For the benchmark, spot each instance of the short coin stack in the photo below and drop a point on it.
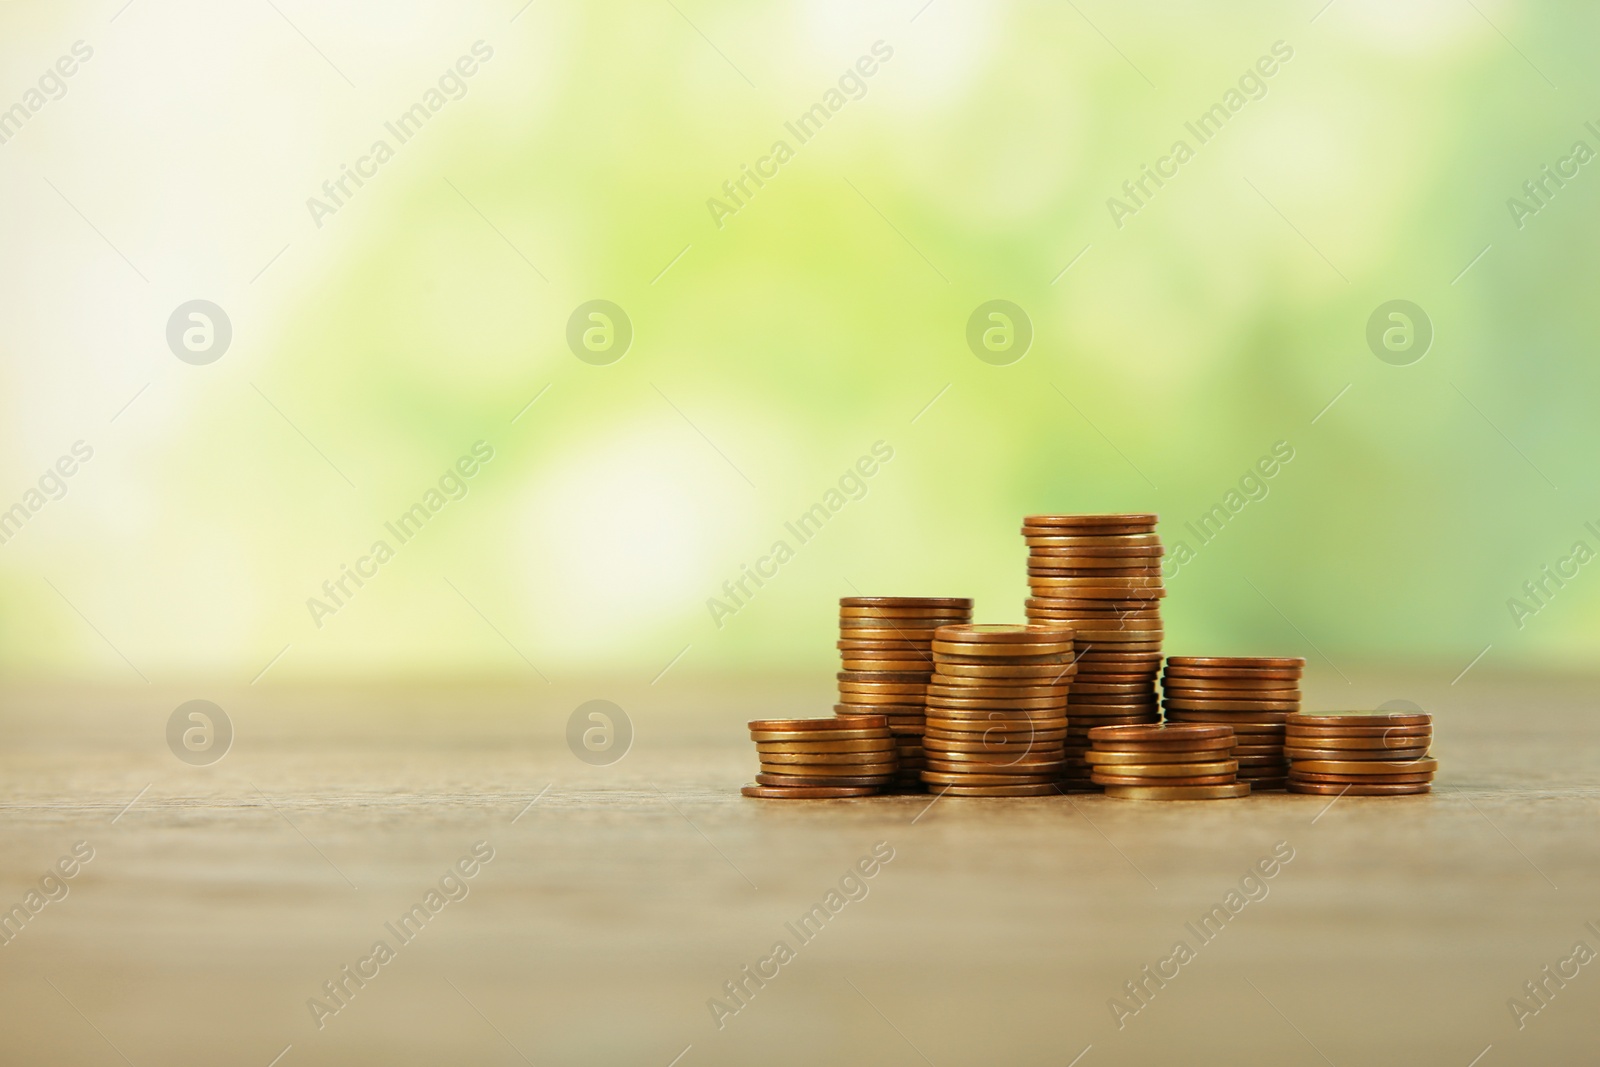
(1252, 694)
(1100, 575)
(997, 710)
(1189, 761)
(885, 642)
(812, 759)
(1370, 754)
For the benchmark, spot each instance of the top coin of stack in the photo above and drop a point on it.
(814, 759)
(1100, 575)
(1253, 694)
(1360, 753)
(997, 710)
(1189, 761)
(886, 645)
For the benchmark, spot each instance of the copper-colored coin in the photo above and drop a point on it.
(908, 637)
(989, 692)
(1081, 688)
(1361, 779)
(1108, 659)
(1209, 682)
(1028, 772)
(916, 689)
(874, 745)
(1367, 767)
(1361, 718)
(1300, 753)
(982, 633)
(791, 725)
(1051, 659)
(1118, 548)
(892, 713)
(1178, 792)
(1186, 704)
(831, 770)
(843, 733)
(772, 792)
(1310, 732)
(1376, 790)
(1193, 769)
(1097, 581)
(1099, 757)
(1086, 677)
(1160, 734)
(1197, 780)
(1024, 745)
(835, 782)
(829, 759)
(897, 646)
(1269, 662)
(1191, 675)
(1022, 727)
(1000, 704)
(1171, 688)
(1055, 520)
(995, 735)
(1052, 674)
(857, 667)
(960, 603)
(1248, 733)
(900, 616)
(1099, 592)
(1377, 744)
(893, 677)
(1218, 717)
(1043, 790)
(1093, 572)
(1144, 747)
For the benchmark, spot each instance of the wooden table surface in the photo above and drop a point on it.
(616, 905)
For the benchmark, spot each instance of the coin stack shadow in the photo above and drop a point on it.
(997, 710)
(1369, 754)
(1188, 761)
(1100, 575)
(885, 643)
(818, 759)
(1253, 694)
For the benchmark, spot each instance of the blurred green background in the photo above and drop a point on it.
(1169, 353)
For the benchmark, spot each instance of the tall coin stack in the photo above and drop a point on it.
(1252, 694)
(818, 759)
(1188, 761)
(997, 710)
(885, 643)
(1362, 754)
(1100, 575)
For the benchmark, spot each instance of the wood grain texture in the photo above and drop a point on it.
(620, 901)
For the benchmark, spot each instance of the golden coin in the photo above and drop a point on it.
(1366, 767)
(918, 677)
(910, 689)
(872, 666)
(884, 744)
(959, 603)
(772, 792)
(1002, 634)
(791, 725)
(1178, 792)
(1375, 790)
(1090, 520)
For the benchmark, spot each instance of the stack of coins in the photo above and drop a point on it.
(885, 642)
(1100, 575)
(1189, 761)
(1371, 754)
(811, 759)
(997, 710)
(1252, 694)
